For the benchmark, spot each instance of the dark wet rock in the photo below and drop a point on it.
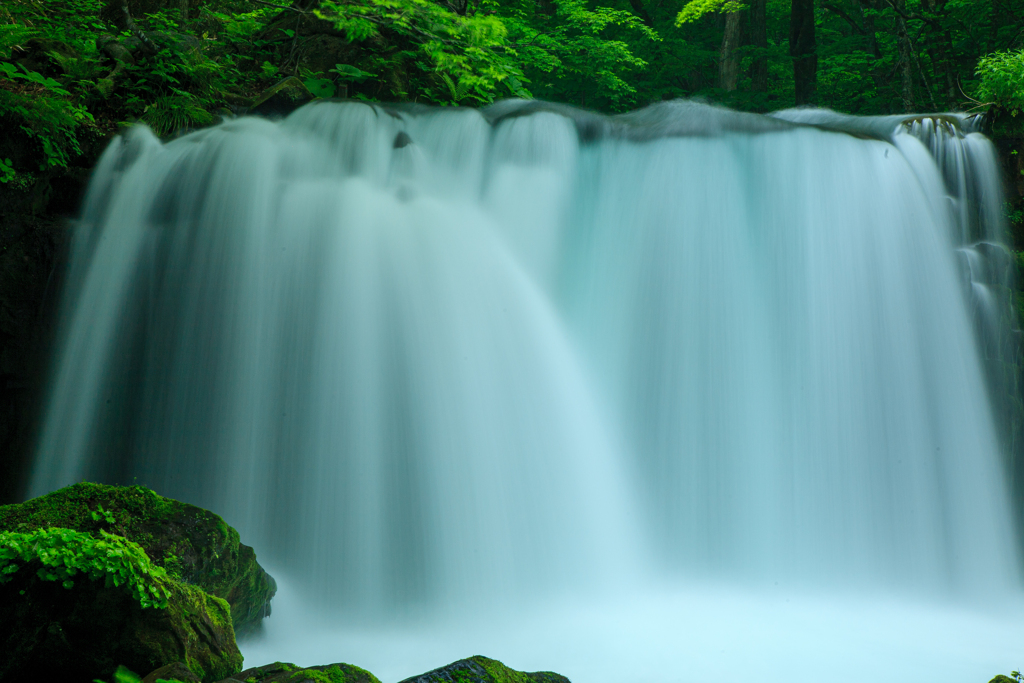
(194, 545)
(282, 99)
(32, 256)
(280, 672)
(175, 671)
(85, 628)
(483, 670)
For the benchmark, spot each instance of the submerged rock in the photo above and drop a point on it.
(483, 670)
(194, 545)
(77, 605)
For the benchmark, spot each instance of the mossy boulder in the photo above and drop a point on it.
(280, 672)
(193, 545)
(78, 605)
(483, 670)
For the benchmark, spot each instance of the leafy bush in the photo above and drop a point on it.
(64, 554)
(1001, 80)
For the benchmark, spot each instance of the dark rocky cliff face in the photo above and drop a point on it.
(34, 229)
(32, 255)
(1007, 132)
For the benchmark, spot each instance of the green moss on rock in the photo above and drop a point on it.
(484, 670)
(281, 672)
(194, 545)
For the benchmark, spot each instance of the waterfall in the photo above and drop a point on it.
(427, 357)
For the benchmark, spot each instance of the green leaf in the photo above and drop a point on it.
(352, 73)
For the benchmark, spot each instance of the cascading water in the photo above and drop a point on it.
(555, 364)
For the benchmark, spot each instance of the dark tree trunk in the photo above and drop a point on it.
(641, 11)
(729, 54)
(802, 48)
(759, 39)
(906, 58)
(868, 22)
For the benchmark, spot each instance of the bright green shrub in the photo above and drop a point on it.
(1001, 80)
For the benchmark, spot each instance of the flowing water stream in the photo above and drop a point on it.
(679, 395)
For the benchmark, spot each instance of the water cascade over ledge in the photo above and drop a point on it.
(427, 360)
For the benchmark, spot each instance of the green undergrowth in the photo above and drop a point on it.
(64, 554)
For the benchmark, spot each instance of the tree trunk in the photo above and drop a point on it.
(868, 22)
(641, 11)
(759, 39)
(906, 58)
(729, 55)
(802, 48)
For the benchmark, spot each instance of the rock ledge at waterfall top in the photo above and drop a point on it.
(193, 545)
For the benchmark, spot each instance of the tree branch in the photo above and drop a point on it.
(849, 20)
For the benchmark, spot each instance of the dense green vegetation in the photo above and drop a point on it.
(72, 72)
(72, 68)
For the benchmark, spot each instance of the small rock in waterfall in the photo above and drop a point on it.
(483, 670)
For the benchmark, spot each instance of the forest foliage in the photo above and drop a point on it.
(74, 68)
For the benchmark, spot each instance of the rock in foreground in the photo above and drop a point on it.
(194, 545)
(76, 606)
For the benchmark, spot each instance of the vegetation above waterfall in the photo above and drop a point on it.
(72, 72)
(71, 69)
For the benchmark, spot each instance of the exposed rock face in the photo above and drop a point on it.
(31, 268)
(50, 631)
(1007, 133)
(483, 670)
(194, 545)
